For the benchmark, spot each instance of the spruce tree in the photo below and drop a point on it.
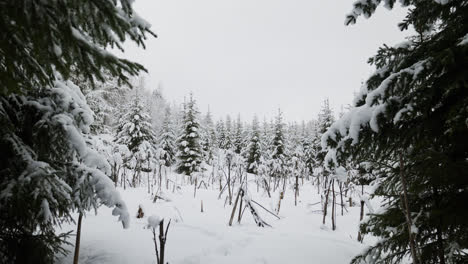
(167, 140)
(208, 138)
(189, 153)
(238, 139)
(253, 150)
(221, 134)
(134, 128)
(324, 121)
(409, 123)
(135, 132)
(228, 143)
(308, 148)
(278, 155)
(265, 137)
(278, 142)
(43, 38)
(48, 165)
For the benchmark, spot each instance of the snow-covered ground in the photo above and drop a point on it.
(205, 237)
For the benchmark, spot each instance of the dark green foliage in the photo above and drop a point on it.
(418, 103)
(278, 142)
(228, 142)
(220, 134)
(189, 155)
(325, 120)
(167, 141)
(40, 38)
(208, 138)
(238, 139)
(48, 170)
(48, 166)
(253, 151)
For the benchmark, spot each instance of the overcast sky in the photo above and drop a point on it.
(253, 56)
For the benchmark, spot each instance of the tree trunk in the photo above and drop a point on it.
(279, 201)
(234, 209)
(160, 177)
(341, 197)
(267, 188)
(333, 206)
(229, 184)
(162, 241)
(407, 213)
(296, 193)
(359, 237)
(123, 179)
(195, 188)
(77, 241)
(240, 210)
(325, 205)
(220, 183)
(114, 173)
(318, 184)
(148, 180)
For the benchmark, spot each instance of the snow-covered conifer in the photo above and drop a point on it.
(136, 132)
(253, 150)
(189, 153)
(409, 123)
(237, 136)
(221, 134)
(208, 138)
(167, 141)
(49, 167)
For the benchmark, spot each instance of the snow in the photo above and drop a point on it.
(442, 2)
(464, 40)
(45, 211)
(350, 124)
(153, 221)
(400, 113)
(57, 50)
(340, 174)
(196, 237)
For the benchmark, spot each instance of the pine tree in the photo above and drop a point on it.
(208, 138)
(134, 127)
(48, 166)
(65, 38)
(135, 131)
(253, 151)
(49, 170)
(265, 137)
(278, 156)
(409, 123)
(167, 140)
(278, 142)
(238, 139)
(228, 144)
(189, 155)
(308, 148)
(221, 134)
(325, 120)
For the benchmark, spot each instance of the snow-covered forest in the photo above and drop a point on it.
(99, 166)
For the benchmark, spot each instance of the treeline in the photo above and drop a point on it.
(142, 132)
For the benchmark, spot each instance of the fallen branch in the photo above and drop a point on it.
(266, 209)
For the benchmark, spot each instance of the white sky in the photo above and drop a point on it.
(253, 56)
